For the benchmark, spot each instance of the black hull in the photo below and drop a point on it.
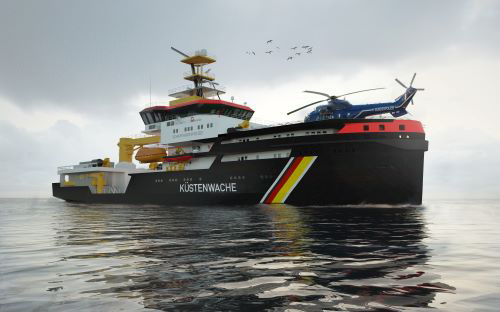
(349, 169)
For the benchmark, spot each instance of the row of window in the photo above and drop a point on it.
(154, 116)
(190, 128)
(237, 178)
(288, 135)
(382, 127)
(278, 155)
(316, 132)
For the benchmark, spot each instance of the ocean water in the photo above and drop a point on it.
(57, 256)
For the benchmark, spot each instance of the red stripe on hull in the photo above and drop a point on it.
(394, 126)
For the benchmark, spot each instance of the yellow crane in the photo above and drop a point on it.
(129, 145)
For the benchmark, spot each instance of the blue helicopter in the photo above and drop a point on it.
(342, 109)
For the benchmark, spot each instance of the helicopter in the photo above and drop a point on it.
(342, 109)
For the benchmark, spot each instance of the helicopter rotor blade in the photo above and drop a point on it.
(419, 89)
(402, 84)
(412, 79)
(296, 110)
(316, 92)
(337, 96)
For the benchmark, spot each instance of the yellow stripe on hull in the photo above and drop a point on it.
(293, 179)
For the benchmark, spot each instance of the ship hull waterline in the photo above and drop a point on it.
(369, 172)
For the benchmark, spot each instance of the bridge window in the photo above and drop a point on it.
(157, 117)
(149, 118)
(366, 127)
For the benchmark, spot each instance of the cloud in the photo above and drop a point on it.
(30, 157)
(92, 56)
(73, 75)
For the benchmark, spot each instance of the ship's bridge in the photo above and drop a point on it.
(157, 114)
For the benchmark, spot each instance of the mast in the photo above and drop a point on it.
(198, 76)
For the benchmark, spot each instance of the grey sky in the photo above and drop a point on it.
(73, 75)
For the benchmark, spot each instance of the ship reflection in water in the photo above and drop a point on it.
(247, 258)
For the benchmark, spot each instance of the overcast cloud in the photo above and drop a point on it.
(73, 75)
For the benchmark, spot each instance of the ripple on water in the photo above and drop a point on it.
(97, 257)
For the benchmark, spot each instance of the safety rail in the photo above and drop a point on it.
(64, 168)
(218, 87)
(204, 74)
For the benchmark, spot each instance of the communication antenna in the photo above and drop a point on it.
(149, 90)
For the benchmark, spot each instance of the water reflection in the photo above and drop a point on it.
(248, 258)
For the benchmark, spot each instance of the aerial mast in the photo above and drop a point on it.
(198, 76)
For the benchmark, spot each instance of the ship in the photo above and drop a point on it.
(203, 150)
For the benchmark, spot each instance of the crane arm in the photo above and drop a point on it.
(127, 146)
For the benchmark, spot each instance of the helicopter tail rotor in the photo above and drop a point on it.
(411, 83)
(410, 91)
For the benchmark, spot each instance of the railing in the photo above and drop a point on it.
(218, 87)
(158, 103)
(106, 190)
(62, 168)
(205, 74)
(181, 88)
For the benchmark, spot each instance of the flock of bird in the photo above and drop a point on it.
(306, 49)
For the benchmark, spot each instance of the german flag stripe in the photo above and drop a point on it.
(277, 179)
(287, 181)
(283, 180)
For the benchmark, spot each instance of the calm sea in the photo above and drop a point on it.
(57, 256)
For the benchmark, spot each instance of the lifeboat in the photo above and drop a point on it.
(150, 154)
(178, 158)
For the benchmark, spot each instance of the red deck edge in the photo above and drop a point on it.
(201, 101)
(177, 158)
(392, 126)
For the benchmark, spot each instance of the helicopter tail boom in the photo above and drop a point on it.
(399, 112)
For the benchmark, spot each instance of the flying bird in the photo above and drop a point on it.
(297, 53)
(269, 52)
(278, 48)
(253, 52)
(269, 41)
(305, 47)
(309, 51)
(294, 48)
(289, 58)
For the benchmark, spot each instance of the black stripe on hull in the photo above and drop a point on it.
(346, 172)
